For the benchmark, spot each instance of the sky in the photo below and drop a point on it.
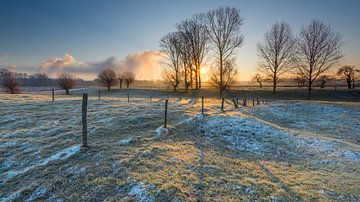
(83, 36)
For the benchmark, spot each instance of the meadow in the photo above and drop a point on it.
(284, 149)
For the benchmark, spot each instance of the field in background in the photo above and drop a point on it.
(284, 150)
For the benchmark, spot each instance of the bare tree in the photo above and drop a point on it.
(301, 80)
(323, 79)
(9, 82)
(195, 36)
(258, 78)
(224, 30)
(228, 74)
(318, 50)
(276, 52)
(170, 45)
(129, 78)
(186, 62)
(107, 77)
(66, 81)
(121, 79)
(349, 73)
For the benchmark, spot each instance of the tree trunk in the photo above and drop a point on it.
(121, 83)
(108, 87)
(199, 77)
(309, 89)
(274, 84)
(221, 73)
(349, 83)
(67, 91)
(260, 85)
(196, 79)
(191, 78)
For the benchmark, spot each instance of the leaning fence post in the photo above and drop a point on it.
(99, 94)
(53, 95)
(222, 104)
(202, 105)
(166, 106)
(84, 121)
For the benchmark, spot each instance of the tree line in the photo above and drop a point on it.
(11, 81)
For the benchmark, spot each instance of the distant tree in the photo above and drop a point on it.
(107, 78)
(170, 46)
(9, 82)
(121, 79)
(228, 75)
(66, 81)
(349, 73)
(129, 78)
(276, 52)
(323, 79)
(225, 35)
(318, 50)
(258, 79)
(301, 80)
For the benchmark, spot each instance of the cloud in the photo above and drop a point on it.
(3, 56)
(144, 64)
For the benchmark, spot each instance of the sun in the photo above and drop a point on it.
(204, 72)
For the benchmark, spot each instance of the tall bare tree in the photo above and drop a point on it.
(195, 36)
(66, 81)
(224, 30)
(170, 45)
(318, 50)
(349, 73)
(186, 62)
(276, 52)
(107, 77)
(129, 78)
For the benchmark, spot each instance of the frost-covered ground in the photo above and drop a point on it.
(294, 150)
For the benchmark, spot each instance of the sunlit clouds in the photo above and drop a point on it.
(144, 64)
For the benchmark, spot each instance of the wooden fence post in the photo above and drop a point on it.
(202, 105)
(222, 104)
(257, 101)
(99, 95)
(237, 101)
(128, 97)
(166, 106)
(84, 116)
(253, 102)
(244, 102)
(53, 95)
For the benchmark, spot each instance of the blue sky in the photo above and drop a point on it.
(93, 30)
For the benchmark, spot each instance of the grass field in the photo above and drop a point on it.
(289, 149)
